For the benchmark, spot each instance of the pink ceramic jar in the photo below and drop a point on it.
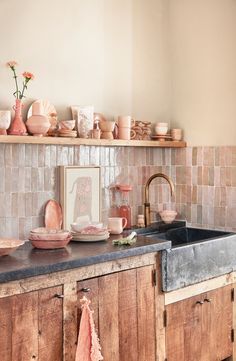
(38, 124)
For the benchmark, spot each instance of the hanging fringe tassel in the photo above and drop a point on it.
(88, 347)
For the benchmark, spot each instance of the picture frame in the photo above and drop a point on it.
(80, 193)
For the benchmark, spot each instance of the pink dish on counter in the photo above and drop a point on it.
(50, 244)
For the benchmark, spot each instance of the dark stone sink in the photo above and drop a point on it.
(185, 235)
(196, 255)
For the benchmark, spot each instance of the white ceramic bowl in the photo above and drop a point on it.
(168, 216)
(161, 128)
(78, 227)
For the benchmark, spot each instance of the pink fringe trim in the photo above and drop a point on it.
(87, 326)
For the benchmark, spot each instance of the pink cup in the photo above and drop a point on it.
(116, 224)
(125, 121)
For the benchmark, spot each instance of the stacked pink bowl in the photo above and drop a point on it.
(49, 238)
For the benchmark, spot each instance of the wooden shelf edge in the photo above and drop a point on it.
(15, 139)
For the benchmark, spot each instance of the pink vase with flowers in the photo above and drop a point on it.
(18, 126)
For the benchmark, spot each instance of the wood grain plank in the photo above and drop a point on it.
(109, 317)
(50, 325)
(5, 329)
(70, 321)
(128, 318)
(160, 307)
(82, 141)
(146, 314)
(25, 327)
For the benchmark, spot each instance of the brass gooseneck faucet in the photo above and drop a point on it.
(146, 202)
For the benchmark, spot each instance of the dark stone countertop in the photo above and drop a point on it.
(27, 261)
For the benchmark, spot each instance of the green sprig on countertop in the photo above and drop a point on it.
(126, 241)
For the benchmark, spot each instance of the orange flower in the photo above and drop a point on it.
(19, 94)
(11, 63)
(28, 75)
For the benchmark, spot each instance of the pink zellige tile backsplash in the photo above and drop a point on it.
(204, 178)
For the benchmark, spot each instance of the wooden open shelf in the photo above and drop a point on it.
(95, 142)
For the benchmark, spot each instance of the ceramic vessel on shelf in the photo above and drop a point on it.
(38, 124)
(67, 124)
(49, 111)
(53, 215)
(161, 128)
(107, 127)
(176, 134)
(5, 121)
(17, 126)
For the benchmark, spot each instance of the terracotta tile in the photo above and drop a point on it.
(47, 156)
(15, 179)
(189, 156)
(8, 155)
(28, 204)
(2, 155)
(27, 179)
(200, 156)
(21, 205)
(194, 156)
(233, 176)
(181, 175)
(199, 214)
(180, 156)
(2, 179)
(208, 156)
(194, 195)
(231, 197)
(194, 175)
(217, 176)
(11, 227)
(233, 156)
(34, 156)
(41, 155)
(25, 226)
(194, 213)
(157, 156)
(14, 205)
(62, 155)
(219, 216)
(199, 194)
(230, 217)
(76, 155)
(200, 175)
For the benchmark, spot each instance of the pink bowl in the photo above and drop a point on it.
(46, 244)
(9, 245)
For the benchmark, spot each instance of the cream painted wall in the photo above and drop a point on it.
(151, 78)
(202, 45)
(86, 52)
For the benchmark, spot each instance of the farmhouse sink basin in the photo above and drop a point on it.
(196, 255)
(182, 236)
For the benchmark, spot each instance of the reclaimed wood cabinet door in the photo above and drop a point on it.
(124, 313)
(31, 326)
(200, 328)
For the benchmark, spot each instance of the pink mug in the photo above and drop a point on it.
(125, 121)
(116, 224)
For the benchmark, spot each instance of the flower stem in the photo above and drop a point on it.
(15, 77)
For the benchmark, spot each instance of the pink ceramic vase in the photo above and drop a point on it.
(17, 126)
(38, 124)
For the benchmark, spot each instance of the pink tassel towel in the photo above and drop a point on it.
(88, 347)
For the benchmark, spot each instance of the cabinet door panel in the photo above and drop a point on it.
(50, 324)
(221, 322)
(124, 305)
(25, 326)
(200, 332)
(184, 330)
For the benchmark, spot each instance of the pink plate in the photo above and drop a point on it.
(53, 215)
(9, 245)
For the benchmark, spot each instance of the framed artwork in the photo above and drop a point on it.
(80, 193)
